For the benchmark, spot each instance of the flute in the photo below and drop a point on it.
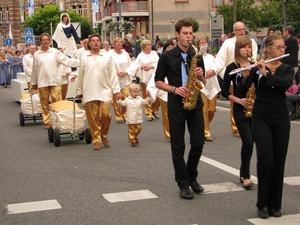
(255, 65)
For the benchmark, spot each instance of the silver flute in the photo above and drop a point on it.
(255, 65)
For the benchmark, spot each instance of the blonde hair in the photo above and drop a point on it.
(117, 39)
(144, 43)
(133, 86)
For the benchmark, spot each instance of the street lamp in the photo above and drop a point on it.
(152, 20)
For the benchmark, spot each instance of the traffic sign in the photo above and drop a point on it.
(28, 31)
(29, 39)
(8, 42)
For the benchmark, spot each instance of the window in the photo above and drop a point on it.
(7, 15)
(77, 8)
(1, 15)
(217, 2)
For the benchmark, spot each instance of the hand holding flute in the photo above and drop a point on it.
(256, 64)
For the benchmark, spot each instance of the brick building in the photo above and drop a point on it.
(147, 15)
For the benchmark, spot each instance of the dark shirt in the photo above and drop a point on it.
(70, 31)
(270, 90)
(292, 47)
(169, 65)
(235, 80)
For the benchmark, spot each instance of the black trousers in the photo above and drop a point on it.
(271, 133)
(244, 127)
(178, 119)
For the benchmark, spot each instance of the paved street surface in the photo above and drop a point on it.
(73, 184)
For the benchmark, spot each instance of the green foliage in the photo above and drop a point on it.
(266, 14)
(195, 24)
(293, 15)
(42, 18)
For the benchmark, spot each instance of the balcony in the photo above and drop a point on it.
(127, 8)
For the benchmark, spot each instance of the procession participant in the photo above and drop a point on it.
(161, 95)
(17, 62)
(65, 36)
(4, 68)
(122, 62)
(134, 118)
(27, 64)
(209, 93)
(271, 125)
(96, 84)
(226, 56)
(45, 75)
(172, 65)
(243, 49)
(143, 67)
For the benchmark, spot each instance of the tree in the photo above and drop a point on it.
(40, 21)
(195, 24)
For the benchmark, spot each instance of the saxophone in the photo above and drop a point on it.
(193, 84)
(250, 95)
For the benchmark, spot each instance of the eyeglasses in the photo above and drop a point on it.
(278, 47)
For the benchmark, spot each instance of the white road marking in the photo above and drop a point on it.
(221, 187)
(32, 206)
(293, 181)
(226, 168)
(288, 219)
(129, 196)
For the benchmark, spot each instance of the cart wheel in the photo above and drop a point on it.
(88, 136)
(22, 119)
(81, 135)
(50, 134)
(56, 138)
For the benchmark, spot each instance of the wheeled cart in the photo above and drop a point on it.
(67, 122)
(30, 107)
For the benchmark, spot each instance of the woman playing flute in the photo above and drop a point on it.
(270, 125)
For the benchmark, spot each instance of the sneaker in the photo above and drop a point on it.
(294, 116)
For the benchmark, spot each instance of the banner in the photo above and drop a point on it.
(61, 5)
(95, 9)
(22, 10)
(30, 7)
(9, 32)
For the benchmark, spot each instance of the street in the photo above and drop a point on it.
(74, 184)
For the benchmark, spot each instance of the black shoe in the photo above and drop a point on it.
(196, 187)
(263, 213)
(185, 193)
(275, 213)
(155, 115)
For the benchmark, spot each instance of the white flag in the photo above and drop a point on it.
(30, 7)
(9, 32)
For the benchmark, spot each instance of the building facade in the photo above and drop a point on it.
(155, 17)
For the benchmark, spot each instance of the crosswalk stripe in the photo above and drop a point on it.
(32, 206)
(129, 196)
(293, 181)
(287, 219)
(221, 187)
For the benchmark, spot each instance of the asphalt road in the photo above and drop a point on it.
(77, 177)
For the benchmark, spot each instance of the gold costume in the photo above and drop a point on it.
(148, 107)
(209, 109)
(133, 132)
(165, 118)
(45, 92)
(120, 111)
(99, 118)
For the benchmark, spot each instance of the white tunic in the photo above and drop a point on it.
(143, 59)
(97, 79)
(45, 69)
(134, 112)
(154, 91)
(27, 65)
(122, 62)
(212, 86)
(225, 55)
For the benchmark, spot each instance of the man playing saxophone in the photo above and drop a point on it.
(243, 49)
(174, 64)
